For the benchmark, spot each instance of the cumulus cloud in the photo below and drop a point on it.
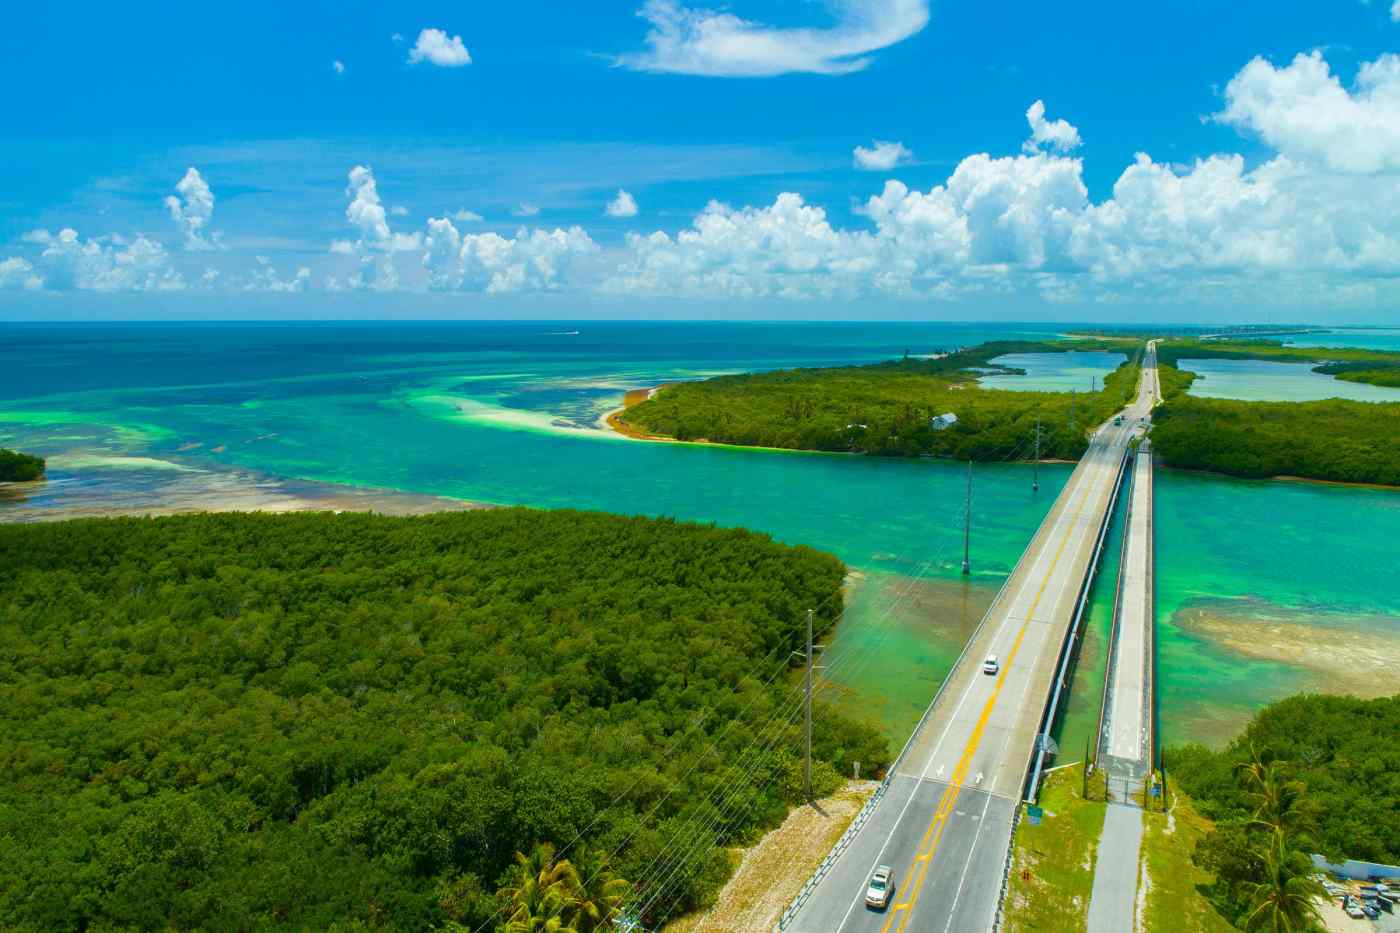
(881, 157)
(436, 47)
(338, 67)
(17, 272)
(265, 278)
(1300, 221)
(532, 260)
(1395, 12)
(525, 209)
(1058, 135)
(192, 207)
(108, 264)
(463, 215)
(624, 205)
(1304, 112)
(696, 41)
(366, 214)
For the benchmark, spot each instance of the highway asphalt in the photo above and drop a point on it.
(944, 825)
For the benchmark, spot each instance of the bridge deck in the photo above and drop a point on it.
(1125, 741)
(945, 823)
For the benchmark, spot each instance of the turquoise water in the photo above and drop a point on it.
(1081, 370)
(1267, 381)
(509, 413)
(1365, 338)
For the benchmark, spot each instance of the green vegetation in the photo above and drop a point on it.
(1354, 442)
(1309, 773)
(16, 467)
(1052, 865)
(1173, 899)
(887, 408)
(356, 722)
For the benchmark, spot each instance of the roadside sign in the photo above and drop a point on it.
(1034, 813)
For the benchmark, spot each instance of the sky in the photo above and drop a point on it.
(909, 159)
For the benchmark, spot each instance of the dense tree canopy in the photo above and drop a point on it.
(356, 722)
(1340, 748)
(16, 467)
(1310, 773)
(1356, 442)
(887, 408)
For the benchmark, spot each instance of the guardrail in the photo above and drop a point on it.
(863, 817)
(1067, 651)
(1109, 663)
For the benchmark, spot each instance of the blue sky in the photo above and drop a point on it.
(493, 143)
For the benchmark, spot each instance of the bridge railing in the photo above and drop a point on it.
(1067, 649)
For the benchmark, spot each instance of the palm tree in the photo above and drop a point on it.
(1280, 805)
(1285, 901)
(540, 892)
(597, 893)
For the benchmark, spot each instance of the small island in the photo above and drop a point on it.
(16, 467)
(933, 406)
(897, 408)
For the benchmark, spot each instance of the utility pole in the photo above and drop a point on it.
(1035, 482)
(967, 524)
(1071, 412)
(1093, 384)
(807, 762)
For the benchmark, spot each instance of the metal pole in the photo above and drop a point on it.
(807, 762)
(1035, 482)
(967, 524)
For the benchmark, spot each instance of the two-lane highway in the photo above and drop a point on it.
(945, 822)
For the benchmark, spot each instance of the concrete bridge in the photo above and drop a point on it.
(945, 818)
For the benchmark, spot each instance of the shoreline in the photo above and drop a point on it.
(88, 493)
(633, 397)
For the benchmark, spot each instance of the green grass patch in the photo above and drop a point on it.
(1174, 899)
(1052, 865)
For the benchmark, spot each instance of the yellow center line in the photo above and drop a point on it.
(954, 789)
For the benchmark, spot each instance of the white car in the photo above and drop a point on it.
(877, 892)
(991, 665)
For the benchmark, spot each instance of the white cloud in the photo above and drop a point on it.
(1395, 12)
(106, 264)
(1059, 135)
(338, 67)
(17, 272)
(1290, 227)
(691, 40)
(526, 210)
(436, 47)
(265, 279)
(533, 260)
(1303, 111)
(881, 157)
(396, 37)
(192, 207)
(366, 211)
(624, 205)
(398, 211)
(367, 214)
(465, 216)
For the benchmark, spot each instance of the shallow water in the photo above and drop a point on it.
(1079, 370)
(1267, 381)
(1366, 338)
(508, 413)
